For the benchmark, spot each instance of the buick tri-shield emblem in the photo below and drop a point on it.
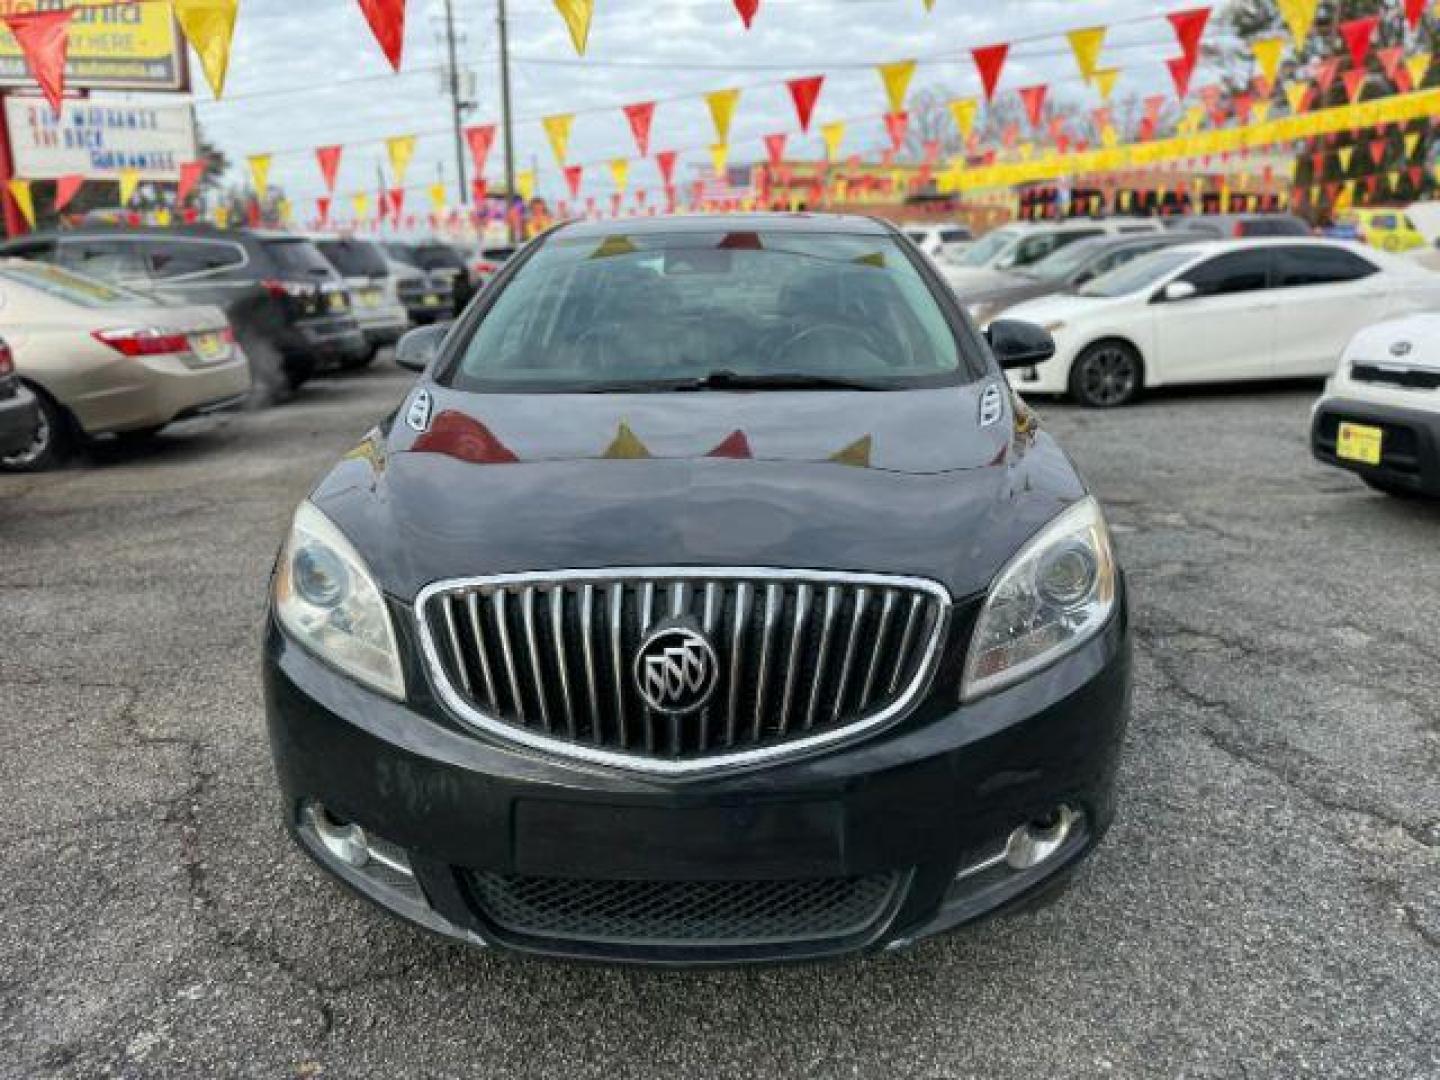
(676, 670)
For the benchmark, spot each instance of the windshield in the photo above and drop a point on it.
(1137, 274)
(75, 288)
(354, 258)
(987, 248)
(1059, 265)
(654, 311)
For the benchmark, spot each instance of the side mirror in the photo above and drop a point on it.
(1019, 344)
(420, 346)
(1178, 290)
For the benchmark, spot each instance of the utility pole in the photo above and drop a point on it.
(510, 219)
(455, 103)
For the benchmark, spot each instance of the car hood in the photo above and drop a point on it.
(1011, 289)
(904, 482)
(1416, 336)
(975, 285)
(1063, 307)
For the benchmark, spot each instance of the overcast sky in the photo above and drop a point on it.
(337, 87)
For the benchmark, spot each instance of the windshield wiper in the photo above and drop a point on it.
(734, 380)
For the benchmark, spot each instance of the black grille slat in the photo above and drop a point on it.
(684, 913)
(798, 656)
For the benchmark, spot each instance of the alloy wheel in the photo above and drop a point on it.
(1109, 376)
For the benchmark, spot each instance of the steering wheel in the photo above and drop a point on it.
(846, 337)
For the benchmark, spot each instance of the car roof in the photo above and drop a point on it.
(709, 223)
(1221, 247)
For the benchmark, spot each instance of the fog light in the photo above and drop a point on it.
(341, 839)
(1035, 841)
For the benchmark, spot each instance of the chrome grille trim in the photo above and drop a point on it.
(795, 631)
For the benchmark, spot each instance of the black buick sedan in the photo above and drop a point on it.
(709, 599)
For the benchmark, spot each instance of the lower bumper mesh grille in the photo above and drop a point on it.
(684, 913)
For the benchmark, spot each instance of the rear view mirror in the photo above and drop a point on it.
(421, 345)
(1019, 344)
(1179, 290)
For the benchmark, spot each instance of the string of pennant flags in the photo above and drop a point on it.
(209, 25)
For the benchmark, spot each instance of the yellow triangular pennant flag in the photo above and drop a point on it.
(1267, 56)
(1412, 142)
(626, 445)
(360, 203)
(401, 149)
(1344, 154)
(856, 454)
(719, 155)
(437, 197)
(1104, 81)
(525, 184)
(24, 199)
(1260, 111)
(1086, 45)
(896, 78)
(1295, 95)
(209, 26)
(1109, 136)
(1418, 66)
(963, 111)
(283, 209)
(576, 14)
(260, 173)
(620, 173)
(722, 110)
(834, 135)
(221, 216)
(129, 181)
(163, 216)
(1299, 16)
(557, 130)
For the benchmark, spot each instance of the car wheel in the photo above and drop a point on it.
(360, 360)
(1389, 487)
(51, 443)
(1106, 375)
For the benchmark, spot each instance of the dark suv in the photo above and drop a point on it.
(287, 304)
(440, 262)
(708, 599)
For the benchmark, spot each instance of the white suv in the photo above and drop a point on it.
(1380, 415)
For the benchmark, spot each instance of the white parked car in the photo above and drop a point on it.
(1009, 248)
(1218, 311)
(1380, 414)
(941, 242)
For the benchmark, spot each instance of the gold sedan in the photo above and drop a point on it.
(105, 360)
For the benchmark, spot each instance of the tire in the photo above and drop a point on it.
(298, 372)
(54, 439)
(139, 436)
(361, 360)
(1107, 375)
(1390, 488)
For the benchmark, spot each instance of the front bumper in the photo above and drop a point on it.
(1410, 449)
(931, 798)
(18, 416)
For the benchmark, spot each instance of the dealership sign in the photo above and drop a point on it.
(117, 46)
(99, 139)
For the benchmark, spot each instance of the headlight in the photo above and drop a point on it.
(327, 600)
(1053, 596)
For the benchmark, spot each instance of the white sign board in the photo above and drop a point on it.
(98, 139)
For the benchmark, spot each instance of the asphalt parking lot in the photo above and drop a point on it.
(1267, 905)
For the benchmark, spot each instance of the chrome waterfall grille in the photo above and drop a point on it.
(799, 659)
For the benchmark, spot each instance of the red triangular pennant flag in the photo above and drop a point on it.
(665, 162)
(66, 188)
(1181, 68)
(573, 176)
(480, 139)
(896, 124)
(990, 61)
(1357, 34)
(805, 92)
(322, 209)
(1326, 71)
(1354, 84)
(329, 159)
(734, 445)
(1034, 100)
(747, 10)
(1390, 60)
(479, 190)
(1413, 10)
(396, 198)
(1377, 151)
(44, 40)
(640, 114)
(387, 23)
(190, 174)
(775, 147)
(1417, 176)
(1189, 25)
